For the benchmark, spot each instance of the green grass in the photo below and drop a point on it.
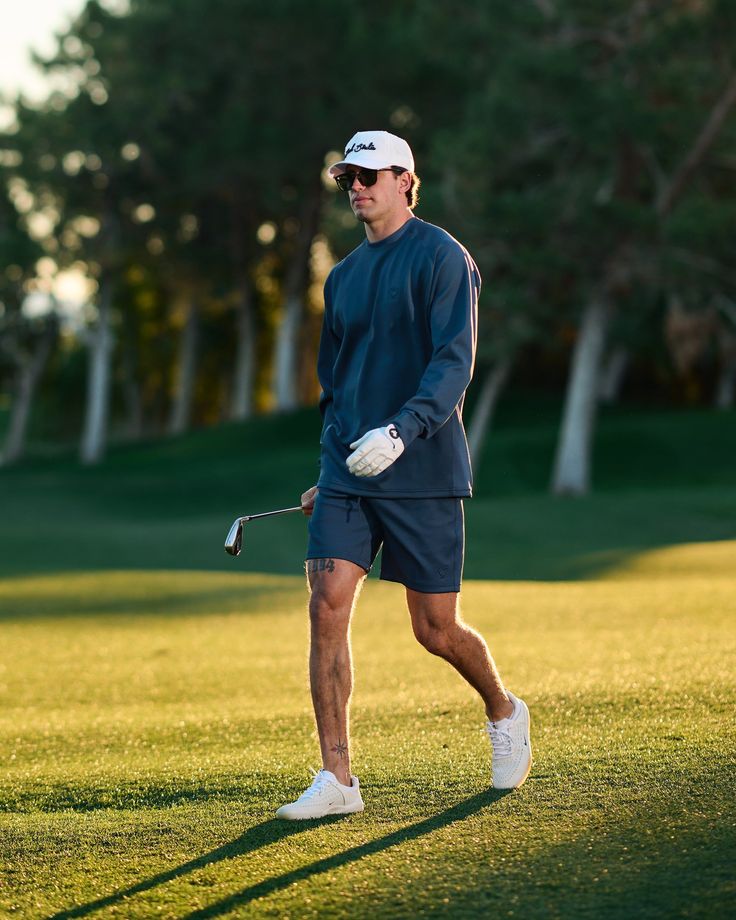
(155, 705)
(664, 478)
(152, 721)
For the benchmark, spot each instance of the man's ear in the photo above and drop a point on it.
(405, 182)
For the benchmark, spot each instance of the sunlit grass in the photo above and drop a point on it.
(152, 721)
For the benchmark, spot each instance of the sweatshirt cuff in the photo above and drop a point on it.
(409, 427)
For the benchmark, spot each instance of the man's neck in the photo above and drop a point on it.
(379, 230)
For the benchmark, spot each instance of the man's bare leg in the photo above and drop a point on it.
(439, 627)
(334, 585)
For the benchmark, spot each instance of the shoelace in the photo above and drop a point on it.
(501, 741)
(319, 782)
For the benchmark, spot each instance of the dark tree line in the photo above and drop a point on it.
(586, 156)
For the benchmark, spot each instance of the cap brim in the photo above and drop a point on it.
(336, 169)
(356, 160)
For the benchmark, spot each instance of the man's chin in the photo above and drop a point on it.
(360, 213)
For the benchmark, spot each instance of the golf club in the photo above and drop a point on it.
(234, 541)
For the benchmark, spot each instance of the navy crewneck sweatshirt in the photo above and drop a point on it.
(398, 345)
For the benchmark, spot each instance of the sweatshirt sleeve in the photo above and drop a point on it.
(453, 316)
(328, 346)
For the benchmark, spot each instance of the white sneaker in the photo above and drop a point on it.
(512, 748)
(326, 796)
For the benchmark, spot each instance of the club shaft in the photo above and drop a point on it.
(252, 517)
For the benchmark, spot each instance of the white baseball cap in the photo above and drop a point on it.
(375, 150)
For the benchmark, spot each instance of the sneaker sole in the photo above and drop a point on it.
(337, 810)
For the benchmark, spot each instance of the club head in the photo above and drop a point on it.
(234, 541)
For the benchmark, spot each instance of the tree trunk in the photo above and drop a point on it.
(181, 409)
(97, 409)
(287, 354)
(726, 387)
(726, 390)
(241, 403)
(480, 423)
(27, 377)
(612, 375)
(132, 390)
(573, 458)
(288, 334)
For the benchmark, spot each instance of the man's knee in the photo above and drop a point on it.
(436, 639)
(327, 608)
(331, 599)
(435, 620)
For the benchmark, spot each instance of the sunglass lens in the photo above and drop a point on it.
(366, 177)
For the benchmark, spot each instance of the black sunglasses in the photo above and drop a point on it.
(365, 176)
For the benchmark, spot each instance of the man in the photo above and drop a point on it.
(396, 356)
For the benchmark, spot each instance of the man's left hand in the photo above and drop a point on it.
(375, 451)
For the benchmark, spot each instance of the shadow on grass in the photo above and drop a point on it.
(272, 832)
(98, 595)
(124, 797)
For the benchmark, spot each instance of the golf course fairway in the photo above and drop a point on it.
(153, 720)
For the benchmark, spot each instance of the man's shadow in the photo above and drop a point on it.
(271, 832)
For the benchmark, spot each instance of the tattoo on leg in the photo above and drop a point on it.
(341, 749)
(320, 565)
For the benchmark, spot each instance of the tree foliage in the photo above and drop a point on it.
(557, 139)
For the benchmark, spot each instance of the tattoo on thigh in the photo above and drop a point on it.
(341, 749)
(320, 565)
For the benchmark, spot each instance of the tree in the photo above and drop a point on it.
(642, 198)
(565, 134)
(74, 163)
(26, 343)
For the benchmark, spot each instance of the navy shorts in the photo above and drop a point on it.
(423, 539)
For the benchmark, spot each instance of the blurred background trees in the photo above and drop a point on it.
(585, 156)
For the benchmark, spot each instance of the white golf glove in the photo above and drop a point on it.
(375, 451)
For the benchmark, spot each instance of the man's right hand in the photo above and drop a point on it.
(308, 501)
